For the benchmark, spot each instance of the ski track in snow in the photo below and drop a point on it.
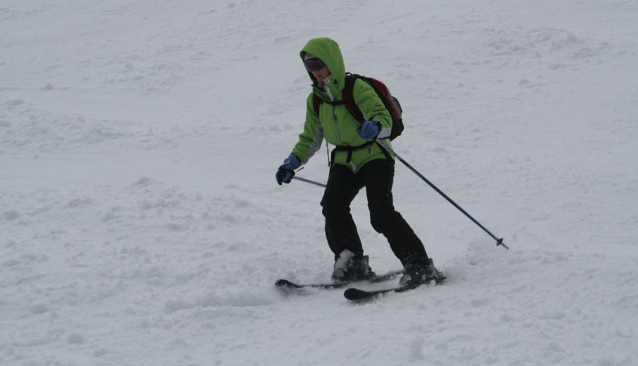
(140, 223)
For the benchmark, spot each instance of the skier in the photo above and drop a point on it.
(356, 162)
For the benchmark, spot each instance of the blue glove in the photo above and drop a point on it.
(287, 170)
(369, 130)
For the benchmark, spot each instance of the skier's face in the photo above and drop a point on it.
(318, 69)
(322, 74)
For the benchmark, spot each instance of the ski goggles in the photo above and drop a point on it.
(314, 64)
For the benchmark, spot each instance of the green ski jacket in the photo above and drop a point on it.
(334, 123)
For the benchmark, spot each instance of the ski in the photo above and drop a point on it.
(355, 294)
(283, 283)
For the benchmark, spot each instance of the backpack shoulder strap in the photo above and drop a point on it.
(348, 97)
(316, 103)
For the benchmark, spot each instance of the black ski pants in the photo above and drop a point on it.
(342, 187)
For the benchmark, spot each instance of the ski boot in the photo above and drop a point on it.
(351, 268)
(419, 272)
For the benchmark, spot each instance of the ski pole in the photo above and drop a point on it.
(498, 241)
(309, 181)
(304, 179)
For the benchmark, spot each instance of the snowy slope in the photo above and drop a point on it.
(140, 222)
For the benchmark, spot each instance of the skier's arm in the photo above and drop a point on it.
(312, 136)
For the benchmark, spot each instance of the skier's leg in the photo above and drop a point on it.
(341, 231)
(379, 177)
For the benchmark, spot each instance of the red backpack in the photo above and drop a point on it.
(390, 102)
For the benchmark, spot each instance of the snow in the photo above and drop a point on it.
(141, 224)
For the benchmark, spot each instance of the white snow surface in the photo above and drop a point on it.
(141, 224)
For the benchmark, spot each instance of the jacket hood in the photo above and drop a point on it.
(329, 52)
